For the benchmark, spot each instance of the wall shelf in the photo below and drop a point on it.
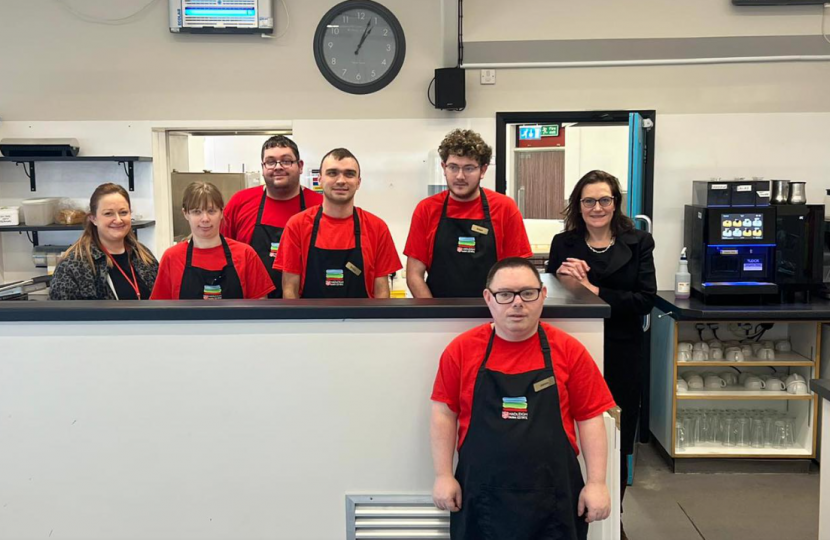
(737, 393)
(35, 229)
(128, 163)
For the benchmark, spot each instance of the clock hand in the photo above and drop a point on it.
(366, 33)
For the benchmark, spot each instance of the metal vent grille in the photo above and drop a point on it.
(394, 517)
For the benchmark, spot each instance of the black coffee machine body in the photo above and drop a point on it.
(731, 250)
(799, 231)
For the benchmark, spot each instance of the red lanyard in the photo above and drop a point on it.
(134, 282)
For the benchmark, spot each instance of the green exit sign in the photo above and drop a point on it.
(550, 131)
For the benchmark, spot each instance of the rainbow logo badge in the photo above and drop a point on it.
(334, 278)
(212, 292)
(275, 246)
(514, 408)
(466, 244)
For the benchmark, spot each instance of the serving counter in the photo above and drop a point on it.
(302, 420)
(794, 329)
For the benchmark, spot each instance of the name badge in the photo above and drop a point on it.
(480, 230)
(354, 269)
(544, 383)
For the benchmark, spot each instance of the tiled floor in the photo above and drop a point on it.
(666, 506)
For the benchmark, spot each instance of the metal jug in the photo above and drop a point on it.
(797, 194)
(780, 191)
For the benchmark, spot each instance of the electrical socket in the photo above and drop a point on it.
(488, 76)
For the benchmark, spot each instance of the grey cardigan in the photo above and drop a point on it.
(74, 279)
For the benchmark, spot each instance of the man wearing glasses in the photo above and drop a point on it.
(455, 237)
(257, 216)
(337, 250)
(510, 394)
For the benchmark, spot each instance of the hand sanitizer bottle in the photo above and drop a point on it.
(682, 279)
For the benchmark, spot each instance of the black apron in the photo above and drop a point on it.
(265, 239)
(462, 254)
(201, 284)
(519, 476)
(334, 273)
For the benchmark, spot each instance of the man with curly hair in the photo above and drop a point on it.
(457, 236)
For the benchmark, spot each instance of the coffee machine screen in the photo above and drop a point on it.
(742, 226)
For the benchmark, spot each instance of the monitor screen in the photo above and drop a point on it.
(742, 226)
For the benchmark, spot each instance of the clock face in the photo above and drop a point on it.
(359, 46)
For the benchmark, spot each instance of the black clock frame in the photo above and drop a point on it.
(397, 62)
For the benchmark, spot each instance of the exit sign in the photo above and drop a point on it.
(550, 131)
(530, 133)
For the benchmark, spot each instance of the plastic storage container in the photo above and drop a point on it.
(39, 212)
(9, 216)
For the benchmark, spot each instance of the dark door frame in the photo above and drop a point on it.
(597, 118)
(582, 117)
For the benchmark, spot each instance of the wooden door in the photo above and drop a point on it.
(540, 183)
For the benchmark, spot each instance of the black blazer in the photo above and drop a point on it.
(628, 285)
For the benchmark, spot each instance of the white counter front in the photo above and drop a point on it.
(254, 429)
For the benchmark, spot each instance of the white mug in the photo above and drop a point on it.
(767, 344)
(756, 347)
(715, 344)
(797, 387)
(754, 383)
(747, 350)
(714, 382)
(700, 346)
(730, 377)
(783, 346)
(684, 356)
(744, 376)
(795, 377)
(716, 354)
(700, 355)
(773, 385)
(684, 346)
(695, 382)
(766, 354)
(734, 356)
(682, 386)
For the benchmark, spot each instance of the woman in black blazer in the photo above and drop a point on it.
(602, 250)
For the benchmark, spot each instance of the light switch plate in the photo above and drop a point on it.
(488, 76)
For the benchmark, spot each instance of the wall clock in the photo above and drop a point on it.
(359, 46)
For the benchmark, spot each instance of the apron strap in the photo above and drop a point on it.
(261, 207)
(302, 199)
(485, 205)
(225, 247)
(316, 228)
(188, 262)
(444, 208)
(543, 341)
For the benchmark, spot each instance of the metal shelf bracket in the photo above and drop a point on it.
(30, 173)
(129, 170)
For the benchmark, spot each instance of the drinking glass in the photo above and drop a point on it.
(758, 437)
(779, 434)
(680, 436)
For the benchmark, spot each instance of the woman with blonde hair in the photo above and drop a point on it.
(207, 265)
(107, 262)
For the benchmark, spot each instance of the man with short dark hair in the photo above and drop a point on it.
(257, 215)
(510, 393)
(337, 250)
(455, 237)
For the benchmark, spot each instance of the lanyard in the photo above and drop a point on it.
(134, 282)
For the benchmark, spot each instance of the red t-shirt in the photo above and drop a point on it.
(253, 275)
(380, 258)
(583, 393)
(240, 212)
(511, 237)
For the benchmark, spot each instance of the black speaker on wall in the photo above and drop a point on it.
(450, 89)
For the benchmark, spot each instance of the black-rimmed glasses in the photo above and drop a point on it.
(467, 169)
(284, 163)
(507, 297)
(590, 202)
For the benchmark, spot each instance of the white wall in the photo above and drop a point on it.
(588, 148)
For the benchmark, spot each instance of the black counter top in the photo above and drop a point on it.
(692, 309)
(565, 301)
(821, 387)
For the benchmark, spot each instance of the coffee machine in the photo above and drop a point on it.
(740, 246)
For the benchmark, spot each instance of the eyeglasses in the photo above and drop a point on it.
(284, 163)
(468, 169)
(198, 212)
(590, 202)
(507, 297)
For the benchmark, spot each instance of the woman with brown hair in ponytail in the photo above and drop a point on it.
(107, 262)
